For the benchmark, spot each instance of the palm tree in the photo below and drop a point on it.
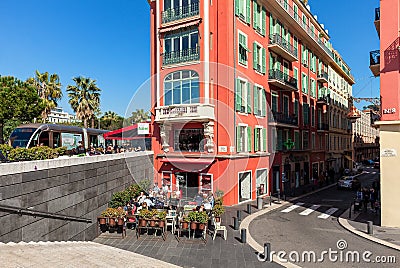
(139, 116)
(111, 120)
(84, 98)
(49, 90)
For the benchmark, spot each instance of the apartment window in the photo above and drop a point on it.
(181, 47)
(304, 59)
(260, 101)
(313, 64)
(304, 21)
(306, 110)
(259, 18)
(312, 115)
(243, 101)
(297, 142)
(296, 108)
(279, 141)
(190, 140)
(259, 58)
(181, 87)
(242, 10)
(326, 142)
(295, 44)
(305, 140)
(313, 141)
(243, 138)
(313, 85)
(321, 142)
(260, 139)
(286, 106)
(296, 75)
(274, 102)
(243, 49)
(304, 83)
(295, 12)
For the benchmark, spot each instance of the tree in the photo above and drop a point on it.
(49, 90)
(84, 98)
(111, 121)
(18, 101)
(138, 116)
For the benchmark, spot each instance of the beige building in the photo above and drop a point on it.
(57, 115)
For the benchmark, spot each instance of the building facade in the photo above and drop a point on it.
(57, 115)
(365, 137)
(243, 92)
(387, 19)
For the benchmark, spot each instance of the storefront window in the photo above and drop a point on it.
(190, 140)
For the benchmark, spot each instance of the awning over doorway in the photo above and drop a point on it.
(189, 164)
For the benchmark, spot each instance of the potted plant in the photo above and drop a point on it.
(202, 219)
(192, 216)
(120, 214)
(185, 222)
(218, 210)
(144, 215)
(162, 215)
(152, 218)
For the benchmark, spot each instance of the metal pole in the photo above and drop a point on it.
(239, 215)
(259, 203)
(235, 223)
(243, 236)
(370, 227)
(249, 208)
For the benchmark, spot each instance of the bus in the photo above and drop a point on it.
(53, 136)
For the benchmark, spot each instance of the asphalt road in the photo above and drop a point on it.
(305, 227)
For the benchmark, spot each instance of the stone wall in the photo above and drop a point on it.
(74, 186)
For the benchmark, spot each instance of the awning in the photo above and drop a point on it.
(348, 158)
(182, 25)
(189, 164)
(125, 133)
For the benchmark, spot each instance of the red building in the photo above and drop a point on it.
(240, 94)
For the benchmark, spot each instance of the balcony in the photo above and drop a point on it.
(186, 55)
(374, 62)
(196, 112)
(324, 100)
(179, 13)
(282, 80)
(322, 127)
(281, 47)
(377, 21)
(322, 77)
(283, 120)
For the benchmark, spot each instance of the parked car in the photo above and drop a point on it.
(376, 165)
(348, 182)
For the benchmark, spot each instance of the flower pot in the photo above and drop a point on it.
(102, 220)
(193, 225)
(142, 222)
(111, 222)
(202, 226)
(161, 223)
(152, 223)
(185, 225)
(120, 221)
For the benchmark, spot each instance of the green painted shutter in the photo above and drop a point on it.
(248, 13)
(256, 149)
(280, 140)
(249, 139)
(271, 62)
(237, 138)
(263, 102)
(297, 140)
(237, 7)
(263, 20)
(255, 95)
(264, 141)
(238, 95)
(263, 61)
(271, 25)
(248, 98)
(255, 22)
(255, 56)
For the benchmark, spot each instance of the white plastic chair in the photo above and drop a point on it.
(218, 227)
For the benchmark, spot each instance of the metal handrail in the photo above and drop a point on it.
(277, 39)
(283, 77)
(36, 213)
(185, 55)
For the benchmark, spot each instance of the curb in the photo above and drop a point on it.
(346, 225)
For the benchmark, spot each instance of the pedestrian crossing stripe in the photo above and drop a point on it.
(293, 207)
(310, 210)
(374, 172)
(328, 213)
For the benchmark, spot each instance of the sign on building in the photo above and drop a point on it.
(143, 128)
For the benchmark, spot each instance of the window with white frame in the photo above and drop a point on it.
(242, 10)
(206, 181)
(243, 49)
(181, 87)
(304, 83)
(243, 138)
(243, 95)
(244, 184)
(259, 18)
(259, 58)
(260, 139)
(260, 101)
(313, 86)
(262, 181)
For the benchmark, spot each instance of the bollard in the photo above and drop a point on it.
(243, 236)
(248, 208)
(259, 203)
(267, 250)
(370, 227)
(239, 215)
(270, 199)
(235, 223)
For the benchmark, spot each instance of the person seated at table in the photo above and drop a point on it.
(148, 202)
(141, 198)
(198, 198)
(200, 208)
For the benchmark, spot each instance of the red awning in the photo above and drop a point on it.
(182, 25)
(125, 133)
(189, 164)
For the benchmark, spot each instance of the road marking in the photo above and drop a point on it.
(293, 207)
(332, 200)
(328, 213)
(374, 172)
(310, 210)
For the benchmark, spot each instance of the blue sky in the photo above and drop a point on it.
(108, 40)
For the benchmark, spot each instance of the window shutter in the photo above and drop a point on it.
(237, 138)
(255, 56)
(255, 21)
(263, 20)
(256, 138)
(263, 61)
(264, 140)
(297, 140)
(249, 139)
(279, 141)
(263, 102)
(248, 98)
(271, 61)
(237, 7)
(238, 95)
(255, 95)
(248, 15)
(271, 25)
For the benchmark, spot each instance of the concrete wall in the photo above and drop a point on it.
(76, 186)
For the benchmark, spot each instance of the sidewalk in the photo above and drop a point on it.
(357, 224)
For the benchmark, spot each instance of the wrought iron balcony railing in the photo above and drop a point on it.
(378, 13)
(278, 40)
(186, 55)
(181, 12)
(284, 118)
(323, 126)
(374, 57)
(281, 76)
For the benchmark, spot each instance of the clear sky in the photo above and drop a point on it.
(108, 40)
